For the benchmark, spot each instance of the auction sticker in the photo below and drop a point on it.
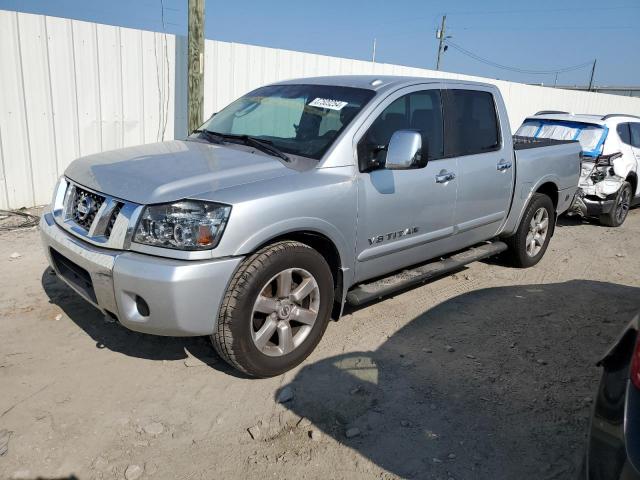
(328, 103)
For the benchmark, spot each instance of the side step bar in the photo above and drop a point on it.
(367, 292)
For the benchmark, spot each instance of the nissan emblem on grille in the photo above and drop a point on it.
(85, 207)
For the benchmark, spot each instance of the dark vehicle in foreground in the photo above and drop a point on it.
(613, 452)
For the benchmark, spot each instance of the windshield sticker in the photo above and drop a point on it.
(328, 103)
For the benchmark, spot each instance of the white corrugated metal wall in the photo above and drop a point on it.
(70, 88)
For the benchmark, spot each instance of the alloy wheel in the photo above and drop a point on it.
(538, 230)
(622, 205)
(285, 311)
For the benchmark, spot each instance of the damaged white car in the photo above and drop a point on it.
(610, 157)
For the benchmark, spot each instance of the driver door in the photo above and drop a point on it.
(404, 216)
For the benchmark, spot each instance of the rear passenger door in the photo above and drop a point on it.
(485, 164)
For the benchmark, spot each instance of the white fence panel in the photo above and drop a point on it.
(71, 88)
(17, 171)
(63, 91)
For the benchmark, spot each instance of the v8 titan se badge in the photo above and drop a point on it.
(392, 235)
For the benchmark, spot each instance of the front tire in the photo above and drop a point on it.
(528, 245)
(618, 214)
(275, 310)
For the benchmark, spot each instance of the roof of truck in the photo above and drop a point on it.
(376, 82)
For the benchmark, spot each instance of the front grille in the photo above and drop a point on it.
(112, 219)
(92, 216)
(74, 274)
(84, 207)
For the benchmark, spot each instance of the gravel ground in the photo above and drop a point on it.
(488, 373)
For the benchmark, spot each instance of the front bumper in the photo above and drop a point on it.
(183, 297)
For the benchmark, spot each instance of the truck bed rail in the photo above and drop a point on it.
(522, 143)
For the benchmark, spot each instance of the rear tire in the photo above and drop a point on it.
(528, 245)
(618, 214)
(275, 310)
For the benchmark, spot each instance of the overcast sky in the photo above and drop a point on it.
(543, 35)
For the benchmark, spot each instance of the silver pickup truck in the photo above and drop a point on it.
(297, 198)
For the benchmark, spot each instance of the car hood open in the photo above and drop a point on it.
(169, 171)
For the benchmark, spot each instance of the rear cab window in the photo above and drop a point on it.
(471, 123)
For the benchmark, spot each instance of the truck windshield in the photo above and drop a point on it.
(590, 136)
(296, 119)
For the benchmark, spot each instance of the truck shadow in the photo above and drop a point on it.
(495, 383)
(575, 220)
(110, 334)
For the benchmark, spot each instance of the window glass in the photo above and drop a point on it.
(298, 119)
(623, 133)
(558, 131)
(590, 136)
(418, 111)
(471, 123)
(635, 134)
(528, 128)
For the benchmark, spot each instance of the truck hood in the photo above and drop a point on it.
(169, 171)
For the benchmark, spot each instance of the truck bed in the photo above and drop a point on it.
(523, 143)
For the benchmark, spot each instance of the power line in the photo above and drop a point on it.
(531, 11)
(515, 69)
(543, 10)
(519, 28)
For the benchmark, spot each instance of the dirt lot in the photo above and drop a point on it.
(487, 373)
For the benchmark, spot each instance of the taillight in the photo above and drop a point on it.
(635, 364)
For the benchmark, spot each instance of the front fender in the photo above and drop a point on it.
(621, 349)
(301, 224)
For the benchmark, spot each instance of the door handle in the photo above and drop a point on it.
(503, 165)
(444, 176)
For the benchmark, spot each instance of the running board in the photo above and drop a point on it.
(367, 292)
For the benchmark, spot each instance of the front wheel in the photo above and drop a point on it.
(275, 310)
(528, 244)
(618, 213)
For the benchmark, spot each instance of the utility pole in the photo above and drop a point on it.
(440, 35)
(593, 72)
(195, 56)
(373, 57)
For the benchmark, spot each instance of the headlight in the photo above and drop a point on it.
(184, 225)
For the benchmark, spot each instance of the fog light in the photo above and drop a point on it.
(142, 306)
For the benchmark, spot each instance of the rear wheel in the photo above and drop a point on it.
(618, 214)
(275, 310)
(528, 245)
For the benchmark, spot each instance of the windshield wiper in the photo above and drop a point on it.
(212, 137)
(262, 145)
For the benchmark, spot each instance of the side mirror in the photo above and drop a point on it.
(404, 150)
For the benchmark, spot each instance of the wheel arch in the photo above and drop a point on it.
(620, 353)
(324, 245)
(550, 189)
